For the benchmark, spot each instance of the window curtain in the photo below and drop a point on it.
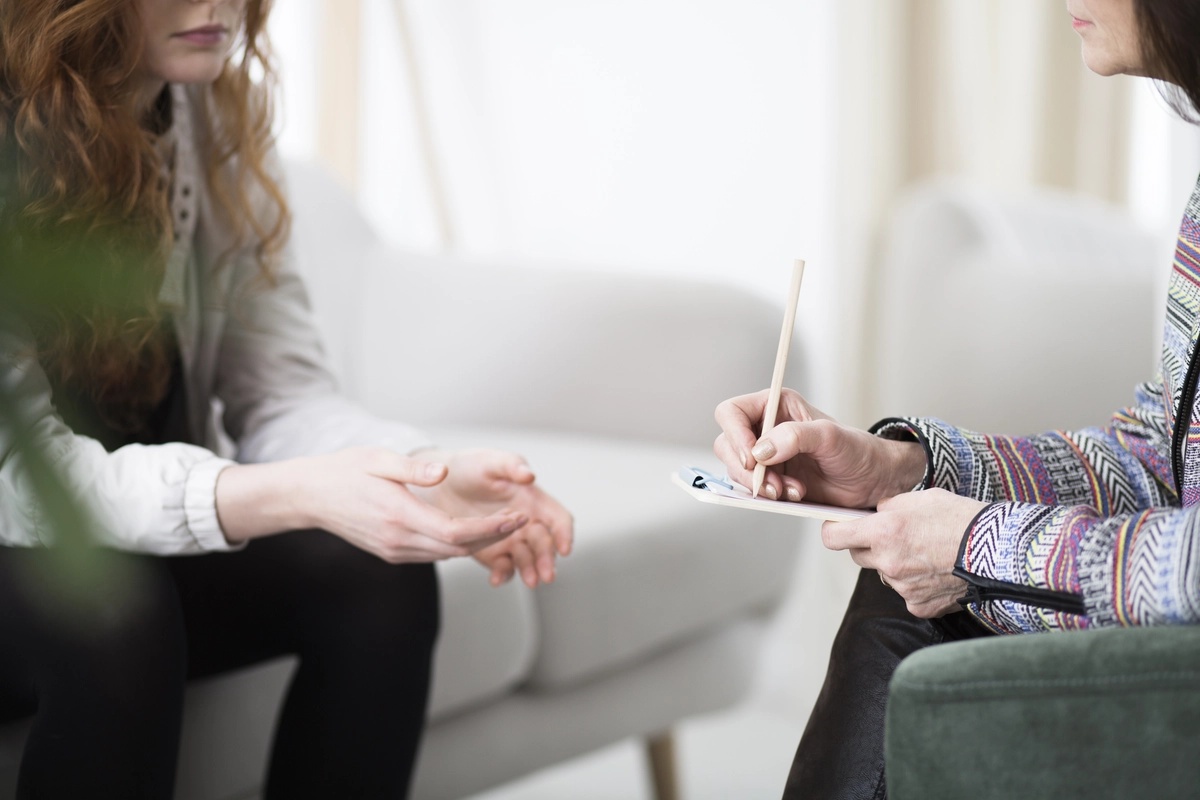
(994, 91)
(338, 112)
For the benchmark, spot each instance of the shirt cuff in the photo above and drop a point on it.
(903, 430)
(200, 506)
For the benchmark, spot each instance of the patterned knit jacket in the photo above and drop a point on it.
(1092, 528)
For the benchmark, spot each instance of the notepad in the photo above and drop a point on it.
(709, 488)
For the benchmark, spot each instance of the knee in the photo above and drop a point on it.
(401, 597)
(377, 602)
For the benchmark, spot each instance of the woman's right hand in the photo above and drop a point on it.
(811, 456)
(360, 494)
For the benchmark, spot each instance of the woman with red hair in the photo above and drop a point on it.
(143, 278)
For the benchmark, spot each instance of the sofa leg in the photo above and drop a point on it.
(660, 748)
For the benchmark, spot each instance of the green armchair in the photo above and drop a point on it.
(1091, 714)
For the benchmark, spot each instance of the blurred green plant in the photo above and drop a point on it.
(77, 571)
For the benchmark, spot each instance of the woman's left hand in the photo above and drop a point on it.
(480, 482)
(912, 541)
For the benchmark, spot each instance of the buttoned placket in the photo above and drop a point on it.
(173, 293)
(178, 294)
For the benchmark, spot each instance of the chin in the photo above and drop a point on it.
(204, 74)
(199, 67)
(1102, 65)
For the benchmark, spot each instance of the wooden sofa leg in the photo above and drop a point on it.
(660, 748)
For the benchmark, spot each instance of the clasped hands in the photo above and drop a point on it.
(439, 504)
(912, 540)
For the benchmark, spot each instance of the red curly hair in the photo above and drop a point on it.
(85, 227)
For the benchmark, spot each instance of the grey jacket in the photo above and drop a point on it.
(254, 371)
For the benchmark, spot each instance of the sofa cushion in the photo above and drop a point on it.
(446, 340)
(651, 567)
(488, 639)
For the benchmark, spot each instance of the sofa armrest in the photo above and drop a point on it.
(601, 353)
(1113, 713)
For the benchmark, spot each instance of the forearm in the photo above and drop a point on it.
(1134, 569)
(256, 500)
(1093, 467)
(361, 494)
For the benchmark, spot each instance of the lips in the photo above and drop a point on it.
(207, 30)
(206, 35)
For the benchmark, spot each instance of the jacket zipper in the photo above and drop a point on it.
(981, 590)
(1179, 435)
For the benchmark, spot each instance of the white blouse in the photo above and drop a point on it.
(254, 370)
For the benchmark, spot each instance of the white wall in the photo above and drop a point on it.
(675, 136)
(678, 136)
(1161, 178)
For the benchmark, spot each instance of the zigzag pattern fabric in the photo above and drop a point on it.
(1094, 512)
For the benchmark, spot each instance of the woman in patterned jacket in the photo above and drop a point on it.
(144, 275)
(1092, 528)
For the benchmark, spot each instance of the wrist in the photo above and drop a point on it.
(297, 495)
(908, 466)
(255, 500)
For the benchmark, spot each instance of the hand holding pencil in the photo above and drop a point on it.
(912, 540)
(811, 456)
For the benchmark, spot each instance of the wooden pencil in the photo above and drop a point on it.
(781, 356)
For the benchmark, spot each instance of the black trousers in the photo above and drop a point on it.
(98, 647)
(840, 756)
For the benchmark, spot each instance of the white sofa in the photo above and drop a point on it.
(606, 382)
(1014, 312)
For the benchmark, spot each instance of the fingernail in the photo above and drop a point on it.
(433, 470)
(763, 450)
(512, 524)
(769, 491)
(793, 494)
(745, 457)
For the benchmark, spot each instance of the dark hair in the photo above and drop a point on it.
(1169, 31)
